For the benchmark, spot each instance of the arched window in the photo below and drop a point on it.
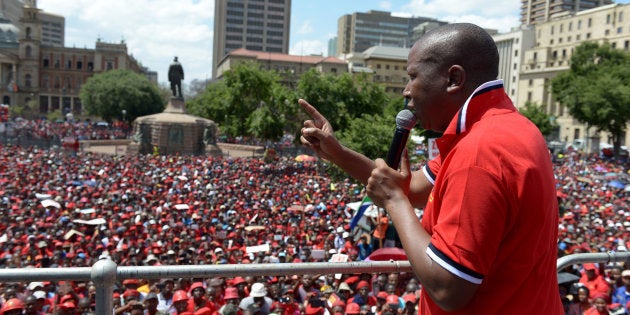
(29, 51)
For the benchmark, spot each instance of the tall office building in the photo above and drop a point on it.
(53, 26)
(358, 31)
(540, 11)
(257, 25)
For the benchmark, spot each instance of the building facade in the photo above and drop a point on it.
(289, 67)
(358, 31)
(511, 46)
(53, 25)
(540, 11)
(256, 25)
(555, 42)
(46, 78)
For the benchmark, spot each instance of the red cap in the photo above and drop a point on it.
(363, 284)
(353, 309)
(392, 299)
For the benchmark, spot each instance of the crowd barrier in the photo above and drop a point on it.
(104, 273)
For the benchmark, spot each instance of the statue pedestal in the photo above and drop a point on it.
(176, 105)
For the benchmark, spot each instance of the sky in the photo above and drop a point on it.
(158, 30)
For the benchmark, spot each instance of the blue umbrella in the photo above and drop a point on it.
(616, 184)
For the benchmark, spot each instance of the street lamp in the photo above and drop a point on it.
(124, 112)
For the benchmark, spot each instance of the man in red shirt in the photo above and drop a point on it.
(488, 239)
(596, 284)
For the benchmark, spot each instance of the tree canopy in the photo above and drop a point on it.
(250, 101)
(107, 94)
(596, 89)
(539, 117)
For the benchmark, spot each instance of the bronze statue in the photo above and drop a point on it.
(175, 76)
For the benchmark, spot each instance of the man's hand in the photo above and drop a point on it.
(386, 184)
(318, 133)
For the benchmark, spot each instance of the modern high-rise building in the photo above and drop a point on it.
(256, 25)
(53, 26)
(539, 11)
(358, 31)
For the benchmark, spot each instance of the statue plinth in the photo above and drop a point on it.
(174, 132)
(176, 105)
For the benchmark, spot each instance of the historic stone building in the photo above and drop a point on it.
(47, 78)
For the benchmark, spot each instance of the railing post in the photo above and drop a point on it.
(104, 276)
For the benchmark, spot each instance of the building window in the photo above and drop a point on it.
(607, 32)
(333, 70)
(110, 65)
(619, 30)
(570, 26)
(620, 17)
(516, 53)
(90, 66)
(27, 80)
(46, 63)
(607, 18)
(29, 52)
(69, 64)
(529, 96)
(45, 81)
(531, 82)
(378, 66)
(79, 65)
(579, 26)
(590, 22)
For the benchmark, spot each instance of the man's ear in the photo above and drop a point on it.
(456, 78)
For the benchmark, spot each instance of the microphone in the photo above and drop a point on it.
(405, 120)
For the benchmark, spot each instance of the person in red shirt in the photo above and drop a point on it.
(362, 297)
(199, 304)
(596, 284)
(489, 197)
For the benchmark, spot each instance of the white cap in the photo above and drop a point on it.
(345, 234)
(39, 294)
(258, 290)
(33, 285)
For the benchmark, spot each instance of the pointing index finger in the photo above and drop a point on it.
(311, 111)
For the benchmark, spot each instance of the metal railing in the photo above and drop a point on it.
(104, 273)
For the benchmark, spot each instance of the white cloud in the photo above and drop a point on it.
(309, 47)
(155, 30)
(306, 28)
(500, 15)
(385, 5)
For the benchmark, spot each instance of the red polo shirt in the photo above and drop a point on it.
(493, 214)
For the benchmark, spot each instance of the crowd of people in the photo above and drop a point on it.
(61, 210)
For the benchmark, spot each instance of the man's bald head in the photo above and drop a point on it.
(463, 44)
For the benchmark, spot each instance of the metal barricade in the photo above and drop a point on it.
(105, 272)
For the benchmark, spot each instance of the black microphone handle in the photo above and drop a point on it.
(396, 148)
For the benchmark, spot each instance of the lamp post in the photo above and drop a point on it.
(124, 125)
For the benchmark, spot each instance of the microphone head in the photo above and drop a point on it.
(405, 119)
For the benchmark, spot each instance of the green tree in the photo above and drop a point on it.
(539, 117)
(596, 89)
(342, 98)
(107, 94)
